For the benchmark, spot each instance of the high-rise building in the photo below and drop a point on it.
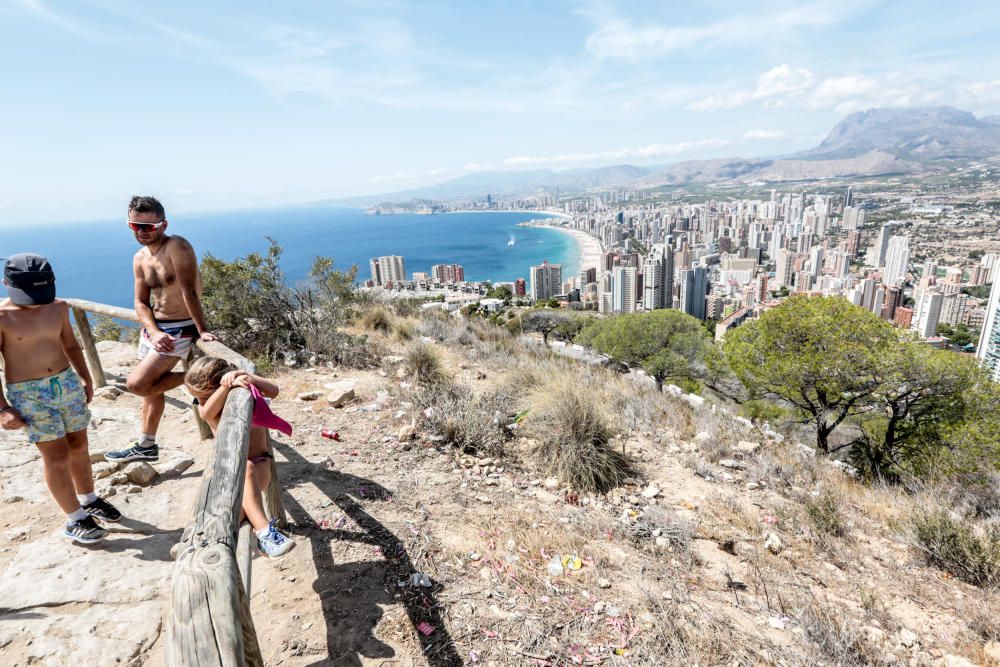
(520, 287)
(903, 317)
(658, 278)
(623, 289)
(897, 260)
(694, 288)
(893, 299)
(388, 269)
(784, 272)
(877, 252)
(546, 281)
(926, 312)
(448, 273)
(988, 351)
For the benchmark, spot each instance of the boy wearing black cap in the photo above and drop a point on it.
(45, 397)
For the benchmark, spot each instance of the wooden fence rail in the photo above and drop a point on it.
(209, 622)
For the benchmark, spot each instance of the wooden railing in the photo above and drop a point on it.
(209, 621)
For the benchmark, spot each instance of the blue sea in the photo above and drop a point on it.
(93, 260)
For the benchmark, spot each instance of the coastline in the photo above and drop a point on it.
(589, 249)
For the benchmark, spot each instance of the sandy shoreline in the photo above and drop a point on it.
(589, 249)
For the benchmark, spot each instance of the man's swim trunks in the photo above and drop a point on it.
(52, 406)
(183, 332)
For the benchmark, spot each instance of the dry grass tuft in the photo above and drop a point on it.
(473, 424)
(968, 551)
(825, 515)
(424, 363)
(377, 318)
(838, 637)
(574, 436)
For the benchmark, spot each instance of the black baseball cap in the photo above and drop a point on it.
(30, 279)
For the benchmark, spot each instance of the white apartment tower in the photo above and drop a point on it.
(387, 269)
(623, 289)
(546, 281)
(988, 351)
(897, 260)
(658, 278)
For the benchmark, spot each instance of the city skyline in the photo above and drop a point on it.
(306, 102)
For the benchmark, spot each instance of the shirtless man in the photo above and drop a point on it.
(48, 389)
(168, 303)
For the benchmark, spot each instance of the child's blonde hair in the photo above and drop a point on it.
(205, 374)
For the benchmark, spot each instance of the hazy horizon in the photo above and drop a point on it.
(288, 105)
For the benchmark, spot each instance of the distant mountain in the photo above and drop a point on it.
(867, 143)
(929, 133)
(873, 163)
(506, 183)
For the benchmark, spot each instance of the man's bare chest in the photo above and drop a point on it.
(158, 274)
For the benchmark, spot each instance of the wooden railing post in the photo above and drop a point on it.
(206, 624)
(89, 347)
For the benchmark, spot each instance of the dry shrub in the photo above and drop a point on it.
(377, 318)
(825, 516)
(436, 324)
(574, 436)
(968, 551)
(473, 424)
(683, 634)
(424, 363)
(404, 330)
(984, 617)
(838, 637)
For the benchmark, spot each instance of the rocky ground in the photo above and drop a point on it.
(412, 553)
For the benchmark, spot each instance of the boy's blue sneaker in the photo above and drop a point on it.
(134, 453)
(103, 510)
(85, 531)
(273, 542)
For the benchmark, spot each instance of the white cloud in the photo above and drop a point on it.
(638, 152)
(619, 38)
(763, 135)
(777, 81)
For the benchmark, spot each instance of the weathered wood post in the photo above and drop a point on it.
(89, 347)
(209, 621)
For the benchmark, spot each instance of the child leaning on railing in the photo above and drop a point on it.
(210, 379)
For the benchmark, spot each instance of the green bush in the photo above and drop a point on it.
(957, 546)
(106, 328)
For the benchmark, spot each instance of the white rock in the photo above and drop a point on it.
(175, 464)
(651, 491)
(109, 392)
(773, 543)
(341, 393)
(104, 469)
(603, 583)
(776, 623)
(551, 483)
(702, 436)
(599, 607)
(956, 661)
(907, 637)
(140, 472)
(407, 432)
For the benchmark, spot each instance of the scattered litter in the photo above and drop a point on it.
(572, 562)
(473, 656)
(474, 555)
(332, 435)
(555, 567)
(425, 628)
(416, 580)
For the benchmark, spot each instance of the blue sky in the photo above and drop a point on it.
(234, 105)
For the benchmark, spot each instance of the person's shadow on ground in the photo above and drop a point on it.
(350, 593)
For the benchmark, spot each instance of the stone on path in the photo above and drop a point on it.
(340, 394)
(140, 472)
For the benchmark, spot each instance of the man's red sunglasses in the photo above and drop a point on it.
(145, 226)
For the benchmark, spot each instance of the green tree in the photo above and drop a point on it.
(922, 393)
(262, 317)
(818, 354)
(543, 322)
(667, 344)
(106, 328)
(501, 292)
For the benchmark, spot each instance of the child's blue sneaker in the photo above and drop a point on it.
(273, 542)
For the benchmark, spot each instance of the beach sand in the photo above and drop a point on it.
(589, 248)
